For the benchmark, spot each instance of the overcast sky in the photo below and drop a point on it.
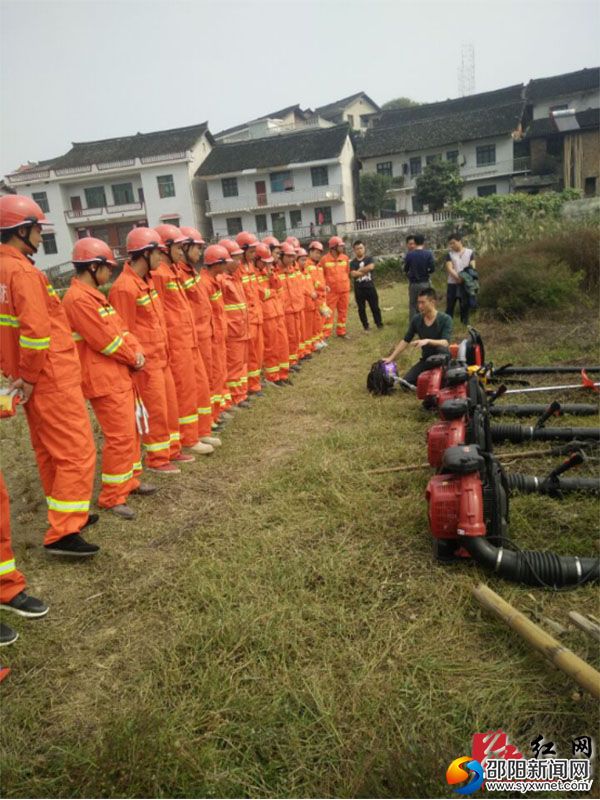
(78, 70)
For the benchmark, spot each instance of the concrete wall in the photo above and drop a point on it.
(579, 101)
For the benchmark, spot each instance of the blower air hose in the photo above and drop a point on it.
(535, 409)
(530, 484)
(511, 370)
(527, 433)
(531, 567)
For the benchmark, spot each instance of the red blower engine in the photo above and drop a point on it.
(444, 381)
(468, 518)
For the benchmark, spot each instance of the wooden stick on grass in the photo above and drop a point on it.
(578, 669)
(591, 628)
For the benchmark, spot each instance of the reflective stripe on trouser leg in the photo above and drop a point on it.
(237, 369)
(11, 580)
(293, 338)
(219, 377)
(271, 356)
(184, 374)
(116, 416)
(151, 384)
(255, 357)
(283, 347)
(342, 313)
(206, 351)
(62, 438)
(203, 405)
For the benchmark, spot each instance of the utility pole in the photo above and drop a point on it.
(466, 70)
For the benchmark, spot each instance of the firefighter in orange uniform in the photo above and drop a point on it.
(215, 259)
(38, 355)
(256, 346)
(191, 381)
(310, 298)
(108, 353)
(200, 304)
(137, 302)
(13, 596)
(315, 252)
(270, 310)
(337, 276)
(293, 302)
(278, 287)
(238, 327)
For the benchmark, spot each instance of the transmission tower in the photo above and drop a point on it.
(466, 70)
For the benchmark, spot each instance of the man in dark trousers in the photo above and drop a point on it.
(433, 330)
(418, 266)
(361, 269)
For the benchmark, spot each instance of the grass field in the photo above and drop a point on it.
(273, 624)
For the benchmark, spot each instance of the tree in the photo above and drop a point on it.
(399, 102)
(438, 184)
(372, 191)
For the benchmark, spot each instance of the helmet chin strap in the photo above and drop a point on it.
(92, 272)
(26, 240)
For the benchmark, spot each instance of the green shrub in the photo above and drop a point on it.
(516, 282)
(577, 245)
(389, 270)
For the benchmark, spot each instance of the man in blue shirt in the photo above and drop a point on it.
(418, 266)
(433, 330)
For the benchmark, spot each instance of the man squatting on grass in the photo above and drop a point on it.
(433, 329)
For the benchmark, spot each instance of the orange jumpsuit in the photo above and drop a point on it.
(318, 279)
(271, 309)
(107, 353)
(278, 286)
(137, 302)
(238, 336)
(294, 309)
(202, 313)
(256, 347)
(221, 396)
(337, 277)
(309, 308)
(36, 345)
(191, 381)
(11, 580)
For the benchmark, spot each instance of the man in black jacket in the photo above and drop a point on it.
(361, 269)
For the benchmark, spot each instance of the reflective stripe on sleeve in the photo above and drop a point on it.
(9, 321)
(113, 346)
(28, 343)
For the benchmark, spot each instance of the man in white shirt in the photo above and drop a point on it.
(458, 258)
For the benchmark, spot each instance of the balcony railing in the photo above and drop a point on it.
(73, 170)
(507, 167)
(129, 162)
(249, 202)
(163, 157)
(25, 177)
(89, 214)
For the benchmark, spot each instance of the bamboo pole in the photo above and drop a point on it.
(562, 658)
(591, 628)
(426, 465)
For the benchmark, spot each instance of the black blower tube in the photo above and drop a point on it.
(535, 409)
(527, 433)
(530, 484)
(531, 567)
(511, 370)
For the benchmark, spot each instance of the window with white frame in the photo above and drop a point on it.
(41, 198)
(282, 181)
(415, 165)
(486, 191)
(384, 168)
(166, 186)
(319, 176)
(486, 154)
(295, 218)
(49, 244)
(234, 225)
(230, 187)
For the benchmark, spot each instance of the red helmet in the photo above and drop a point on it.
(336, 241)
(293, 240)
(245, 240)
(17, 210)
(271, 241)
(170, 234)
(300, 251)
(263, 251)
(315, 246)
(216, 254)
(93, 251)
(231, 247)
(139, 239)
(192, 235)
(288, 249)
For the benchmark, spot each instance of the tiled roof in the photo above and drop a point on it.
(443, 130)
(283, 112)
(584, 80)
(588, 119)
(140, 145)
(311, 144)
(469, 103)
(335, 108)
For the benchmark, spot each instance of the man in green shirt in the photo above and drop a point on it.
(433, 330)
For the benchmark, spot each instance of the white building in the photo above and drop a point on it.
(576, 91)
(106, 187)
(299, 183)
(481, 133)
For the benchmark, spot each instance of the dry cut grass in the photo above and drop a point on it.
(273, 623)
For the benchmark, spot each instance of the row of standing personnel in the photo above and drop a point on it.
(163, 360)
